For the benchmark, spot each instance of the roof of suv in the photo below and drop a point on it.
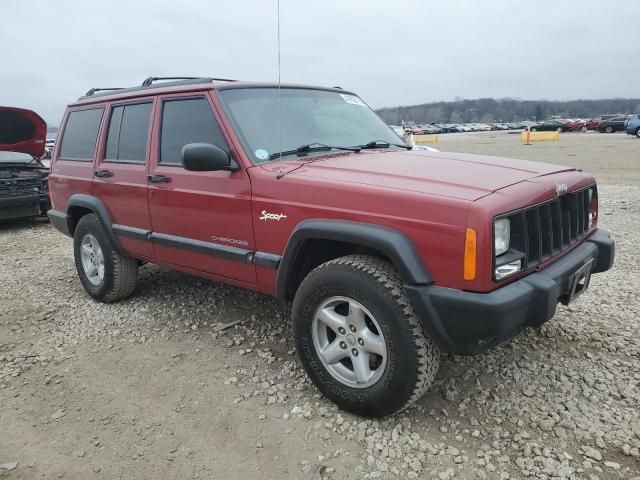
(149, 88)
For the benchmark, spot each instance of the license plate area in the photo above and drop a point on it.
(578, 283)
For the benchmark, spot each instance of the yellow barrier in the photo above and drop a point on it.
(422, 139)
(540, 136)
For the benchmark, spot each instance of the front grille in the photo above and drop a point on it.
(546, 230)
(18, 187)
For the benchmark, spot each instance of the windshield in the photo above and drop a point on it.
(309, 117)
(15, 157)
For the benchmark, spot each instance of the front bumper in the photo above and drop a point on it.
(23, 206)
(467, 323)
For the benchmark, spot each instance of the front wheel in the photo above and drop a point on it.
(608, 129)
(638, 132)
(359, 339)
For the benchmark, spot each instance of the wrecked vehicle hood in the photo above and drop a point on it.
(22, 131)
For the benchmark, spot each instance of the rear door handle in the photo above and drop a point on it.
(103, 173)
(158, 179)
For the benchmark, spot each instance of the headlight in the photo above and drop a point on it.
(501, 235)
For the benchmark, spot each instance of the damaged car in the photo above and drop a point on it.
(23, 177)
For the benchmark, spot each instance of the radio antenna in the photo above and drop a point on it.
(279, 94)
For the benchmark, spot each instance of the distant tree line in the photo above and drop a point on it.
(488, 110)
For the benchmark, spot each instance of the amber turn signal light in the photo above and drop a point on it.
(470, 255)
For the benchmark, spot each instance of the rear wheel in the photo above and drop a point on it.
(638, 132)
(359, 339)
(608, 129)
(105, 274)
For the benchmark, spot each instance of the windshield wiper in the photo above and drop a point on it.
(382, 144)
(312, 147)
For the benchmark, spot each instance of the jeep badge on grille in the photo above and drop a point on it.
(561, 189)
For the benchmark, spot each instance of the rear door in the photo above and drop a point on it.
(120, 177)
(201, 220)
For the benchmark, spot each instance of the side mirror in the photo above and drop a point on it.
(204, 157)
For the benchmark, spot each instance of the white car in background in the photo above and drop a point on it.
(425, 148)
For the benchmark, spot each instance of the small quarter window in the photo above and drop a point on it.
(128, 132)
(187, 121)
(80, 135)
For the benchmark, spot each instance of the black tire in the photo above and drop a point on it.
(534, 129)
(120, 272)
(412, 357)
(608, 129)
(638, 132)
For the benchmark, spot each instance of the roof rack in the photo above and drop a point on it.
(92, 91)
(149, 83)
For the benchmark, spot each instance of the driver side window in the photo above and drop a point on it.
(187, 121)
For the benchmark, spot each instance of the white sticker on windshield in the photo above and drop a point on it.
(352, 99)
(262, 154)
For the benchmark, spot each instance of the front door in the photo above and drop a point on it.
(120, 177)
(201, 220)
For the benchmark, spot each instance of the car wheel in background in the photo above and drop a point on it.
(105, 274)
(638, 132)
(608, 129)
(534, 129)
(359, 339)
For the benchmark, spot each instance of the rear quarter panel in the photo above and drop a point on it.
(69, 177)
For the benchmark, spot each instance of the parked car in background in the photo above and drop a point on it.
(632, 125)
(615, 124)
(23, 178)
(575, 124)
(49, 143)
(550, 126)
(425, 148)
(592, 123)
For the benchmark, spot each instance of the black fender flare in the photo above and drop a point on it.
(96, 206)
(395, 245)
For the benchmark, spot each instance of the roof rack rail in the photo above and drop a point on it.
(148, 84)
(148, 81)
(91, 91)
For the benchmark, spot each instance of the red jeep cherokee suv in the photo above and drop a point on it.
(390, 256)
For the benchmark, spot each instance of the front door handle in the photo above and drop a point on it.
(103, 173)
(158, 179)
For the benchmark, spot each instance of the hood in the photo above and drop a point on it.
(456, 175)
(22, 131)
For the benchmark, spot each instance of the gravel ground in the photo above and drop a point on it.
(157, 387)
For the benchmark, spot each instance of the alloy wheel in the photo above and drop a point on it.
(92, 259)
(349, 342)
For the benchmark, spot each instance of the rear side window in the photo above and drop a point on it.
(128, 131)
(187, 121)
(80, 135)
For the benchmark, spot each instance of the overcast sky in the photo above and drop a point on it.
(396, 52)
